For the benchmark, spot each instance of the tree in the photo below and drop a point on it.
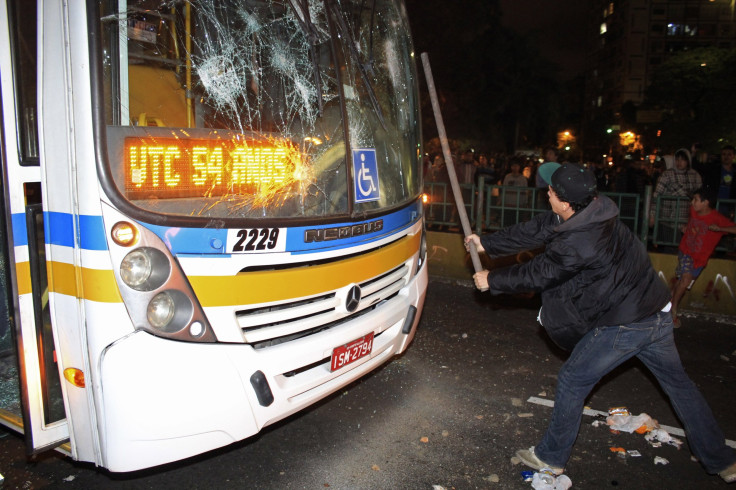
(694, 90)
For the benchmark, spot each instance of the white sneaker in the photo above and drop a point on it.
(729, 474)
(530, 459)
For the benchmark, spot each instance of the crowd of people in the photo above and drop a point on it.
(683, 170)
(676, 174)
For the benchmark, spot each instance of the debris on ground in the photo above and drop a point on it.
(661, 460)
(619, 419)
(661, 436)
(546, 480)
(640, 424)
(494, 478)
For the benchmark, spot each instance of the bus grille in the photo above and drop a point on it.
(283, 322)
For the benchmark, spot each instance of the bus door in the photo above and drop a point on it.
(30, 388)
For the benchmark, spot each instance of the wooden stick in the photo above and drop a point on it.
(450, 165)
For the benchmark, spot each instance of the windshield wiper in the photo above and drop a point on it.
(345, 33)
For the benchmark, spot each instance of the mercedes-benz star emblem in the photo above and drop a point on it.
(353, 299)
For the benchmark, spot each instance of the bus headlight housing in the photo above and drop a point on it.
(169, 311)
(154, 288)
(161, 310)
(422, 250)
(145, 269)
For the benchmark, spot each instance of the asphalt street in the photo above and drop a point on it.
(473, 388)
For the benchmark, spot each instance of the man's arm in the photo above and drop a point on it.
(557, 264)
(528, 235)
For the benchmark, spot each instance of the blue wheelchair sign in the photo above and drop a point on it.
(365, 173)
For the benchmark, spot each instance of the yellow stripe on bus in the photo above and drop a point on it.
(23, 276)
(268, 286)
(98, 285)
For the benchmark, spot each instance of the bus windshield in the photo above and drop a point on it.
(252, 109)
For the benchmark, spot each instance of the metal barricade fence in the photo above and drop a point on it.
(727, 207)
(670, 216)
(492, 207)
(630, 210)
(440, 209)
(504, 205)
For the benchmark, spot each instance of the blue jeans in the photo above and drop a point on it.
(603, 349)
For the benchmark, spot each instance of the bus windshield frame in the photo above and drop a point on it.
(241, 111)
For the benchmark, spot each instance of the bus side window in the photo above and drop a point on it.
(23, 41)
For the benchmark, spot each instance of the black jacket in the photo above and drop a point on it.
(593, 271)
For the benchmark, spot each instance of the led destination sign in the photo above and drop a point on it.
(169, 167)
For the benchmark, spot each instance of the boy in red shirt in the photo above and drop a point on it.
(700, 237)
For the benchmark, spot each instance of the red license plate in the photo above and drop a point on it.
(345, 354)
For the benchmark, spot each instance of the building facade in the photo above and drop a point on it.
(628, 39)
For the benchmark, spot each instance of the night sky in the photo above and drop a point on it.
(502, 68)
(558, 24)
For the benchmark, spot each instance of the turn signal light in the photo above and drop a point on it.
(75, 377)
(124, 234)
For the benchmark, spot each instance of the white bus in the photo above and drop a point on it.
(210, 216)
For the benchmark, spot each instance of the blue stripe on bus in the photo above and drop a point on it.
(93, 232)
(213, 242)
(20, 234)
(295, 237)
(191, 240)
(59, 230)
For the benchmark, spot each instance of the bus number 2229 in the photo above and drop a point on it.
(254, 239)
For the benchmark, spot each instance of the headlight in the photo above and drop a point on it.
(422, 250)
(161, 310)
(145, 269)
(171, 311)
(135, 268)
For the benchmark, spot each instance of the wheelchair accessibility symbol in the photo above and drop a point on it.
(365, 172)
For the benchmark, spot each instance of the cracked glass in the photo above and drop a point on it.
(260, 108)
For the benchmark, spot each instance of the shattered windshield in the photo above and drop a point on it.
(260, 108)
